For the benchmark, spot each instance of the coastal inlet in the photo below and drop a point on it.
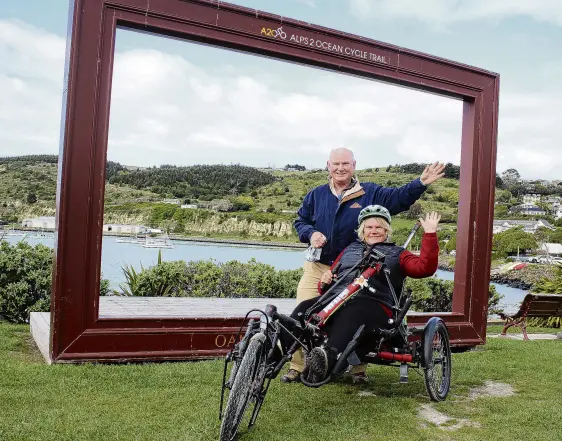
(115, 255)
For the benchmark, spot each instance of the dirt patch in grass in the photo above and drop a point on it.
(366, 393)
(491, 389)
(433, 416)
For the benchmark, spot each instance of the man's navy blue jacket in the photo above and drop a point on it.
(322, 211)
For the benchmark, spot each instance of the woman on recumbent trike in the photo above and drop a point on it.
(361, 292)
(368, 308)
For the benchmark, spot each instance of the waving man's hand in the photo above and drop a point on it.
(432, 173)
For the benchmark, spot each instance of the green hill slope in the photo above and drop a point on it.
(259, 197)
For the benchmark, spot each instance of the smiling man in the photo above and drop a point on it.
(327, 220)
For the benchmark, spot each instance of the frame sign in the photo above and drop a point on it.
(78, 333)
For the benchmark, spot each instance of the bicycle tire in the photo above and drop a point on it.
(240, 393)
(241, 351)
(437, 362)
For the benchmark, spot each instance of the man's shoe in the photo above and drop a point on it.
(291, 377)
(317, 365)
(359, 378)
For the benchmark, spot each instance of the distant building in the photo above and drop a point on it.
(554, 249)
(189, 206)
(43, 222)
(527, 209)
(172, 201)
(217, 205)
(125, 229)
(531, 198)
(500, 225)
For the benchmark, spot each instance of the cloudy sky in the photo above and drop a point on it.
(180, 103)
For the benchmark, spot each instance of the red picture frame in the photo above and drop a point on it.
(77, 332)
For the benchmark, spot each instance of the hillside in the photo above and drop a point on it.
(263, 202)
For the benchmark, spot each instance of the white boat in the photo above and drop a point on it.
(157, 242)
(12, 232)
(135, 239)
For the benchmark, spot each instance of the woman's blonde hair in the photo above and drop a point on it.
(381, 222)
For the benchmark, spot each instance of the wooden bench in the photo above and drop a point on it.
(533, 305)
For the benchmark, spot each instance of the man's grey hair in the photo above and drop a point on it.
(342, 149)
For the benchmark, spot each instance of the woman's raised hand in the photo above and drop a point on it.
(430, 222)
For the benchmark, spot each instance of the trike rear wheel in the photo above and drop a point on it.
(437, 361)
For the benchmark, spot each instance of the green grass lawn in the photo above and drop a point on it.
(497, 329)
(179, 401)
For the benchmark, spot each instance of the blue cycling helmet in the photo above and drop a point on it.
(374, 211)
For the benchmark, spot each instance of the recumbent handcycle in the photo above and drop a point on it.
(258, 357)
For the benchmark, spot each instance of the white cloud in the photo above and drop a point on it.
(446, 12)
(31, 77)
(169, 108)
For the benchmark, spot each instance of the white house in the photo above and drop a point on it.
(531, 198)
(192, 206)
(554, 249)
(43, 222)
(125, 229)
(171, 201)
(527, 209)
(528, 226)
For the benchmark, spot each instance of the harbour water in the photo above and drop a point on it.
(115, 255)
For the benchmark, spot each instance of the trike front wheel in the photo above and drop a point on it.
(241, 390)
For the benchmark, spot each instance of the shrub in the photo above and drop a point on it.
(208, 278)
(433, 294)
(25, 280)
(234, 279)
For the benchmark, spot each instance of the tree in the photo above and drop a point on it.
(510, 177)
(31, 198)
(452, 171)
(512, 241)
(555, 236)
(503, 196)
(414, 211)
(451, 244)
(542, 234)
(499, 182)
(500, 211)
(243, 203)
(295, 167)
